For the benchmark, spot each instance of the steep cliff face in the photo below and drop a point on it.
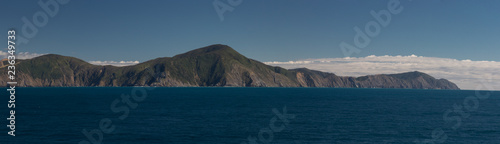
(412, 80)
(215, 65)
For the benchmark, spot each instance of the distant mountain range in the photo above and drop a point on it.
(215, 65)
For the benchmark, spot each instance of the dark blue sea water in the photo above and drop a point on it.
(232, 115)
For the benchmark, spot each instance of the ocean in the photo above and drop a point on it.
(109, 115)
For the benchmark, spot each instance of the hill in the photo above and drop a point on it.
(215, 65)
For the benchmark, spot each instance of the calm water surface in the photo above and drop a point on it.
(231, 115)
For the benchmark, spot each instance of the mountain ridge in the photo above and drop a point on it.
(214, 65)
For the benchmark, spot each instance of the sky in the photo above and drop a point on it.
(128, 32)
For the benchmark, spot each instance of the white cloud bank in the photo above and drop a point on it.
(114, 63)
(467, 74)
(20, 55)
(28, 55)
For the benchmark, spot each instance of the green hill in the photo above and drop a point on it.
(215, 65)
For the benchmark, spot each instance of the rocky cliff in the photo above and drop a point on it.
(215, 65)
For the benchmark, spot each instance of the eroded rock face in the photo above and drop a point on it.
(215, 65)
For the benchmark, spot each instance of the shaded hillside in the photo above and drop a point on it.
(215, 65)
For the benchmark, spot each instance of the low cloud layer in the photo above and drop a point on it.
(28, 55)
(20, 55)
(114, 63)
(467, 74)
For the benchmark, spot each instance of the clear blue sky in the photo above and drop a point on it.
(265, 30)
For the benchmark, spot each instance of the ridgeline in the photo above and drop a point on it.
(215, 65)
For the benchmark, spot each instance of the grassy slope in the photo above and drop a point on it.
(209, 66)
